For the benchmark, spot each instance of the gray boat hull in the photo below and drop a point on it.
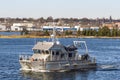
(56, 65)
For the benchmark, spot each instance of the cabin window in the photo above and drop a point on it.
(62, 55)
(43, 51)
(47, 52)
(36, 51)
(73, 55)
(57, 53)
(70, 55)
(53, 52)
(39, 51)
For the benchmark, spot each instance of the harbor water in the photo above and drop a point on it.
(106, 51)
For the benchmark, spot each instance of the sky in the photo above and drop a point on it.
(60, 8)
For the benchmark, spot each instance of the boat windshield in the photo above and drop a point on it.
(36, 51)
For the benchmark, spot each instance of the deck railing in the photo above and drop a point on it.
(24, 57)
(93, 60)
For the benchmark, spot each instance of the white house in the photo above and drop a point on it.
(20, 26)
(16, 28)
(2, 28)
(23, 24)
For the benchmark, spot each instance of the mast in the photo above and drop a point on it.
(54, 35)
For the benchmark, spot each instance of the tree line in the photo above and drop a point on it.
(105, 31)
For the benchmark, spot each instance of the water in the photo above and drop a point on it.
(106, 51)
(9, 33)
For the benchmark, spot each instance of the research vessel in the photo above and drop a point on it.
(51, 56)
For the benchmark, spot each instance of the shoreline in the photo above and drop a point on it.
(32, 36)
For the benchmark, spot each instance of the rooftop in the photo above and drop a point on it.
(43, 45)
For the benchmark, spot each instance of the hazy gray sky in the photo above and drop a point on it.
(60, 8)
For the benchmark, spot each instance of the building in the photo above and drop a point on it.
(17, 28)
(84, 28)
(112, 25)
(27, 26)
(109, 25)
(117, 24)
(23, 24)
(77, 27)
(58, 28)
(2, 27)
(95, 28)
(64, 28)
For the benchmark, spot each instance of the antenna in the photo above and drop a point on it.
(54, 33)
(53, 36)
